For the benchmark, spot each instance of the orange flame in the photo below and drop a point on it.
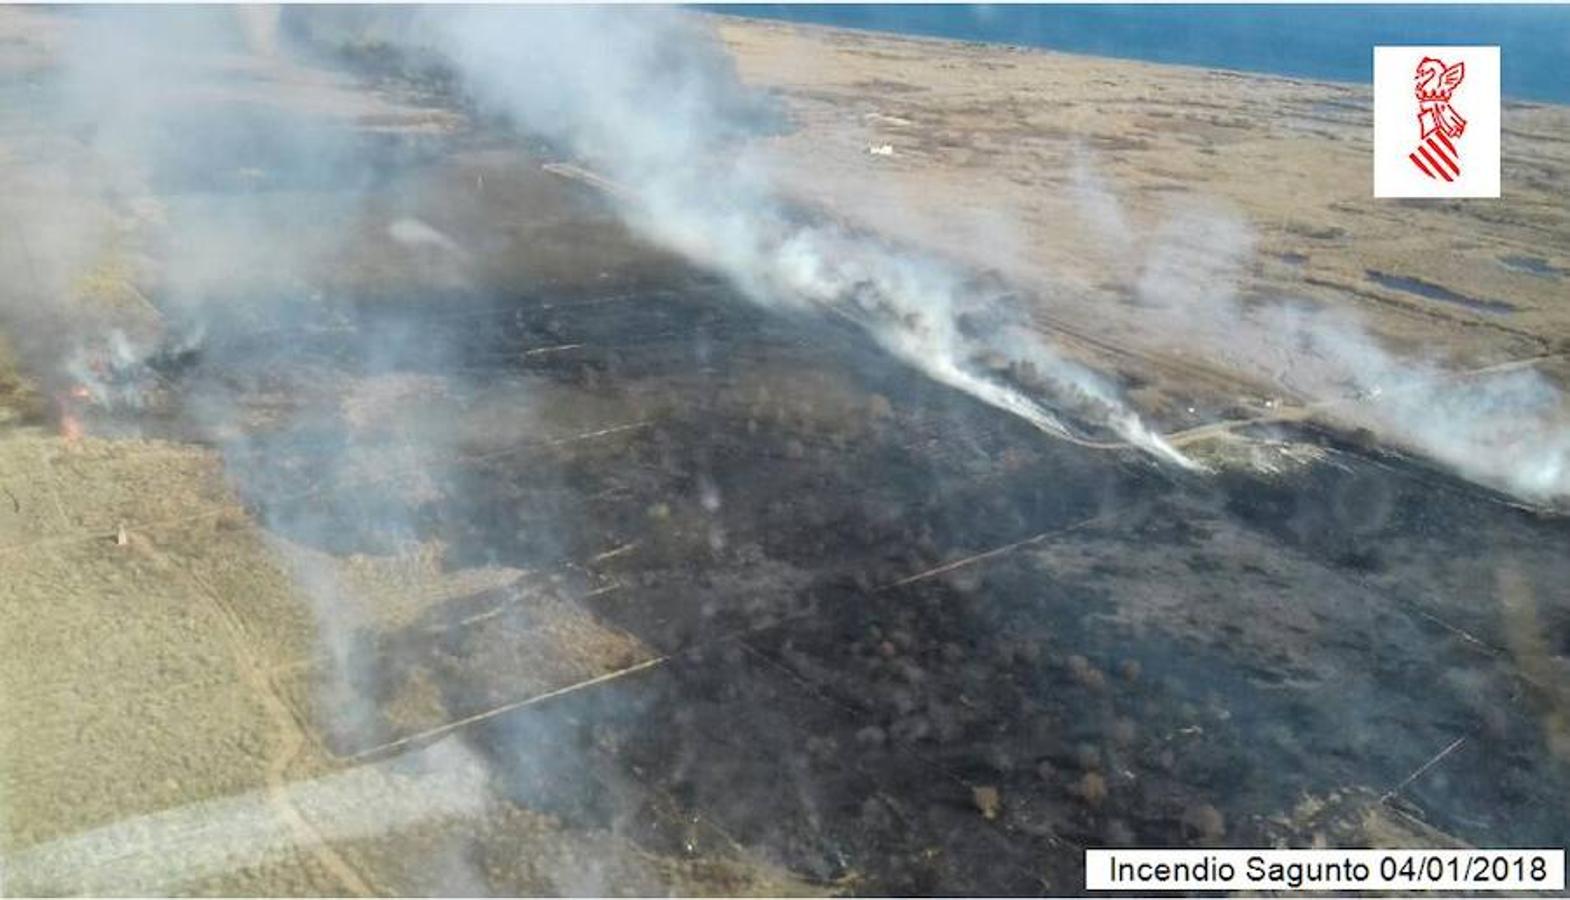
(70, 423)
(70, 428)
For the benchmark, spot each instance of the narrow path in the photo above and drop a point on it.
(290, 737)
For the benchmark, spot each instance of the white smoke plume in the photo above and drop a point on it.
(1504, 429)
(649, 99)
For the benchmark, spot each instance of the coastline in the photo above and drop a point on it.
(719, 18)
(1107, 32)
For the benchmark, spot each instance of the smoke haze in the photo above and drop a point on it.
(1503, 429)
(650, 99)
(195, 224)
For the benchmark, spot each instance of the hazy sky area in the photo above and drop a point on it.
(1326, 42)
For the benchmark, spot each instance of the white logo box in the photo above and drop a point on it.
(1399, 135)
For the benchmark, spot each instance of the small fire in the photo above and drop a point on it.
(70, 423)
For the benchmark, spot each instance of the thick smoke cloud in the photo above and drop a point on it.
(169, 196)
(192, 197)
(1502, 429)
(650, 100)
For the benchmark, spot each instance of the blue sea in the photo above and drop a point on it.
(1331, 43)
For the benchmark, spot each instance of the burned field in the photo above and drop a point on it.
(415, 526)
(871, 629)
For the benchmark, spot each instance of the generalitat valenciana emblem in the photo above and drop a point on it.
(1439, 125)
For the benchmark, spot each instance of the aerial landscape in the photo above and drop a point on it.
(579, 451)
